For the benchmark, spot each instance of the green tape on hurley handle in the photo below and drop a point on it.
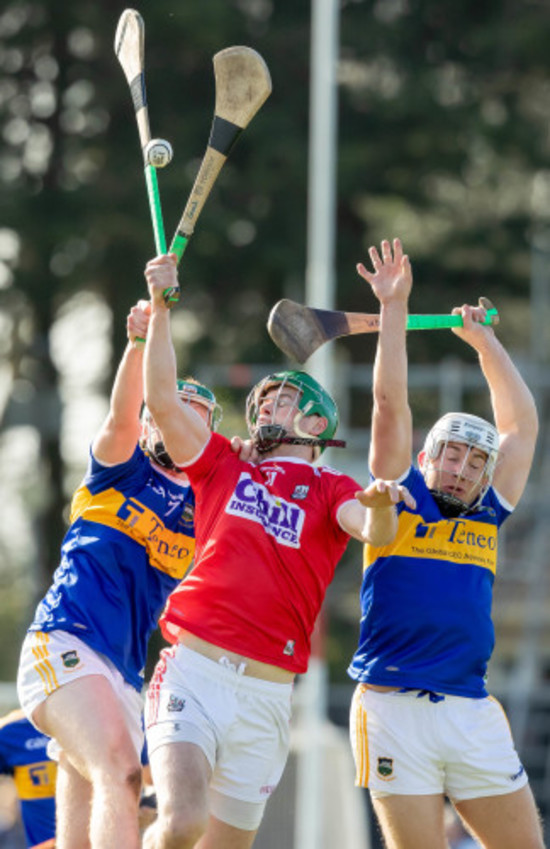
(154, 206)
(433, 322)
(491, 317)
(179, 243)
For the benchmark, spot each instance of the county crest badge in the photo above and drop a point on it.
(70, 659)
(187, 516)
(175, 705)
(289, 648)
(385, 769)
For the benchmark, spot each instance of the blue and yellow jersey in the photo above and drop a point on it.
(23, 756)
(426, 598)
(130, 542)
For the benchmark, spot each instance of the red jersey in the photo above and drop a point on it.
(267, 545)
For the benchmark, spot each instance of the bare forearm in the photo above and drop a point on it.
(116, 439)
(380, 525)
(391, 443)
(391, 281)
(159, 367)
(184, 432)
(390, 365)
(127, 391)
(372, 517)
(513, 404)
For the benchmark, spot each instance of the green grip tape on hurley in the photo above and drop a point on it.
(491, 317)
(433, 322)
(171, 295)
(179, 244)
(155, 208)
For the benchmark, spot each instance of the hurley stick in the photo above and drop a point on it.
(243, 84)
(299, 330)
(129, 49)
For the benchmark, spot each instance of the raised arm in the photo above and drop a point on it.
(183, 431)
(118, 435)
(391, 439)
(372, 518)
(513, 405)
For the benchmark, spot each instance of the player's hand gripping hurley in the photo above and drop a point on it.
(299, 330)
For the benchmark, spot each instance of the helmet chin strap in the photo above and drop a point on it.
(268, 436)
(161, 456)
(450, 506)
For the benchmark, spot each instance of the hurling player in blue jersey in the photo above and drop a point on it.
(23, 756)
(130, 542)
(422, 723)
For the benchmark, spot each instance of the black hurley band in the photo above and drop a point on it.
(223, 135)
(137, 90)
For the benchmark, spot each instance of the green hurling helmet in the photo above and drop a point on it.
(192, 390)
(188, 390)
(313, 400)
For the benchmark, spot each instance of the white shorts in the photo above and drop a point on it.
(405, 743)
(51, 659)
(242, 724)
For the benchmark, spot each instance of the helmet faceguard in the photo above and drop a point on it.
(312, 400)
(474, 432)
(188, 391)
(191, 390)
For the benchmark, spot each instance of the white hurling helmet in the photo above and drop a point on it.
(469, 430)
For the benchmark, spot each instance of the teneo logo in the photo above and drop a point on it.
(282, 520)
(460, 532)
(130, 511)
(425, 531)
(39, 775)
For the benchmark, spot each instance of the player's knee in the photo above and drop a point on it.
(120, 759)
(133, 781)
(118, 777)
(181, 829)
(125, 777)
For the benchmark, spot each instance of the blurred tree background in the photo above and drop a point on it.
(443, 140)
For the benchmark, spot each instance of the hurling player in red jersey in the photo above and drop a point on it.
(268, 538)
